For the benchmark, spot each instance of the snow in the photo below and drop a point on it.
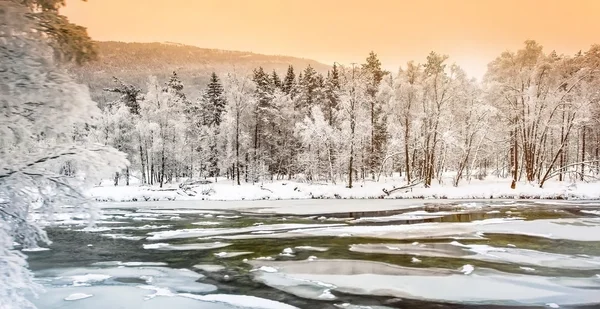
(129, 264)
(491, 187)
(415, 260)
(241, 301)
(467, 269)
(311, 248)
(593, 212)
(78, 296)
(206, 223)
(225, 255)
(267, 269)
(36, 249)
(123, 236)
(552, 305)
(82, 280)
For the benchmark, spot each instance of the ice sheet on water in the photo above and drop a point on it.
(240, 301)
(113, 296)
(593, 212)
(187, 233)
(484, 286)
(77, 296)
(182, 247)
(580, 229)
(488, 253)
(129, 264)
(177, 280)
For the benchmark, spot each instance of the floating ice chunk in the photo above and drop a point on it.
(206, 223)
(123, 236)
(208, 216)
(287, 252)
(267, 269)
(327, 295)
(593, 212)
(311, 248)
(232, 254)
(209, 267)
(415, 243)
(90, 245)
(415, 260)
(493, 212)
(84, 280)
(258, 224)
(312, 258)
(511, 245)
(36, 249)
(467, 269)
(529, 269)
(158, 291)
(78, 296)
(552, 305)
(264, 258)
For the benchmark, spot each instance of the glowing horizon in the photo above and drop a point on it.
(471, 32)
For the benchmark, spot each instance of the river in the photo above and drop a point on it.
(366, 254)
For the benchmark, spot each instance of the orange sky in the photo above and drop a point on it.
(471, 32)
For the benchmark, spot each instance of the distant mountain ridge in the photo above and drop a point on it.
(135, 62)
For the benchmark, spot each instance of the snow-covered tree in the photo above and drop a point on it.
(41, 106)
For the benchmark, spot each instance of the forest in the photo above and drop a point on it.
(533, 117)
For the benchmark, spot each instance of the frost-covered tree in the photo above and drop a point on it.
(40, 107)
(288, 85)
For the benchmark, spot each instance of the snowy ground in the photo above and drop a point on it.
(224, 190)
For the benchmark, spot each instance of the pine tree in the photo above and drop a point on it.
(277, 83)
(289, 83)
(130, 95)
(215, 101)
(375, 74)
(264, 115)
(213, 107)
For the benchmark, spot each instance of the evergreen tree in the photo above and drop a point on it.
(374, 75)
(213, 107)
(332, 89)
(277, 83)
(289, 82)
(310, 85)
(215, 101)
(130, 95)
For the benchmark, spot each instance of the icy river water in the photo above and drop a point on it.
(461, 254)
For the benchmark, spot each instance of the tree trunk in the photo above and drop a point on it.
(582, 154)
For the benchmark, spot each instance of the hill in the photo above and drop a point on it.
(135, 62)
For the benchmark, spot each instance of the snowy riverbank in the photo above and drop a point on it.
(224, 190)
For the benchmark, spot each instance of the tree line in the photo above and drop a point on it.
(533, 117)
